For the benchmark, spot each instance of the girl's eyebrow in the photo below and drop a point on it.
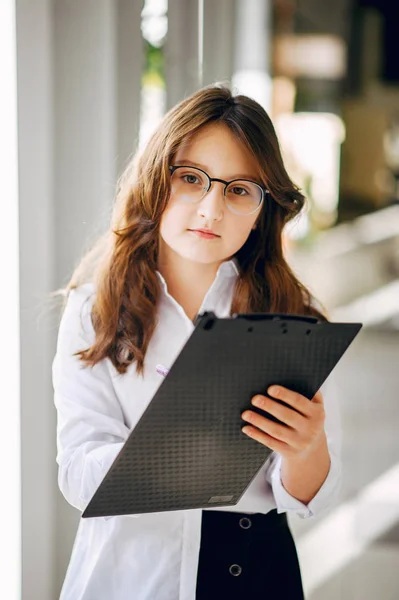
(186, 161)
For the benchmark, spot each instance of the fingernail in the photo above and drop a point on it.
(274, 390)
(257, 401)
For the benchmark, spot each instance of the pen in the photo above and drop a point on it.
(162, 370)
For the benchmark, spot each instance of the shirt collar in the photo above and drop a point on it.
(230, 267)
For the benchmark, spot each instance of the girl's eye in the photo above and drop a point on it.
(189, 178)
(236, 190)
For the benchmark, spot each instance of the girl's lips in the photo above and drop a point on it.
(203, 234)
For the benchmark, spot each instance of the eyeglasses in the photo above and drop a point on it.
(243, 197)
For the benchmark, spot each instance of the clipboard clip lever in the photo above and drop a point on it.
(275, 317)
(207, 318)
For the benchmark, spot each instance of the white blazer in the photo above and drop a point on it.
(150, 556)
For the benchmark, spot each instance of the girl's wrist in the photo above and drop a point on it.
(303, 475)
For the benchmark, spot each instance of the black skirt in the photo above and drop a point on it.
(247, 557)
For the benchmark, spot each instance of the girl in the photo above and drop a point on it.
(197, 225)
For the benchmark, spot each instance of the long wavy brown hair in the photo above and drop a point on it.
(122, 263)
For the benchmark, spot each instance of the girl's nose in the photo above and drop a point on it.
(212, 204)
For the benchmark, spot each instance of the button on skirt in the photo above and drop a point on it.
(247, 557)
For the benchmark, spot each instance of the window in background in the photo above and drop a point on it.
(308, 69)
(154, 27)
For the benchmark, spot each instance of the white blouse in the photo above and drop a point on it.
(150, 556)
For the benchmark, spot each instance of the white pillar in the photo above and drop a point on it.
(252, 50)
(218, 41)
(85, 124)
(79, 75)
(130, 66)
(35, 51)
(98, 66)
(182, 50)
(85, 158)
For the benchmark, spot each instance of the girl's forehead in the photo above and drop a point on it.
(215, 146)
(208, 133)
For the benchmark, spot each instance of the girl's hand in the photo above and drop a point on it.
(302, 430)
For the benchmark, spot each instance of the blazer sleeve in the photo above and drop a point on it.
(90, 424)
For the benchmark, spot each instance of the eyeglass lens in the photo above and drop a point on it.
(191, 185)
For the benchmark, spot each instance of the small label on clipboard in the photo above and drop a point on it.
(220, 499)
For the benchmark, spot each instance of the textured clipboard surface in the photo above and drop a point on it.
(188, 451)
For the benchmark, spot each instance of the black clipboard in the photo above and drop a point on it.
(188, 450)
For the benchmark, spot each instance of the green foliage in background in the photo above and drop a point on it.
(154, 71)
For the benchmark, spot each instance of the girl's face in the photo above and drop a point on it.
(217, 151)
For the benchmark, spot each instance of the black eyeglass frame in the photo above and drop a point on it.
(173, 168)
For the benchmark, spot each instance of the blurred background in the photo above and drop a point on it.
(84, 84)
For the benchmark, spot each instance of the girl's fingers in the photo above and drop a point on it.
(287, 415)
(318, 398)
(265, 439)
(298, 402)
(299, 417)
(275, 430)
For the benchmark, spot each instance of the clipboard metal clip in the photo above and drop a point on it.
(206, 319)
(275, 317)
